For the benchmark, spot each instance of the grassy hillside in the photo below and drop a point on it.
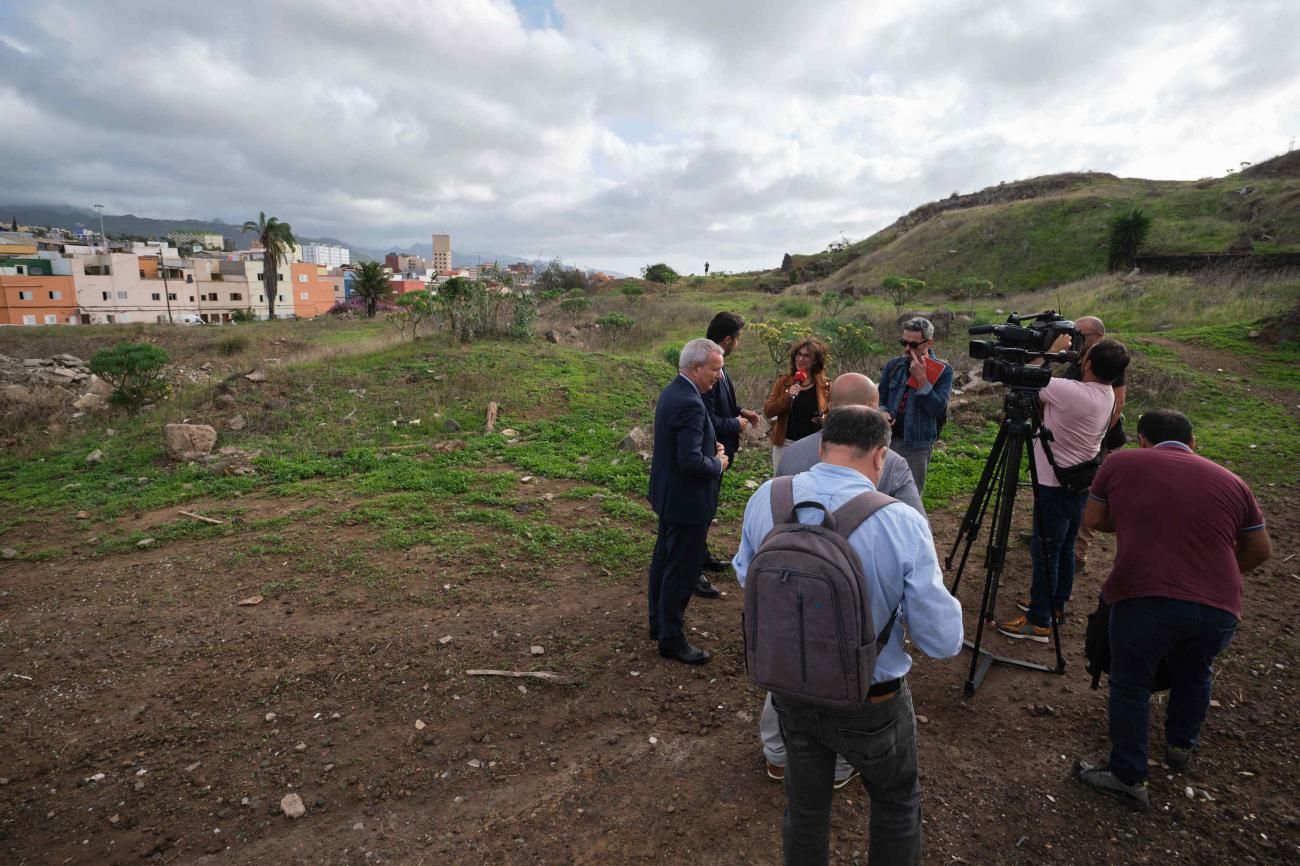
(1051, 230)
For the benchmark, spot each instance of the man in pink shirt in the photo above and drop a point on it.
(1186, 530)
(1078, 415)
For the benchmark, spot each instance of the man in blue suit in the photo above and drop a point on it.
(729, 421)
(684, 478)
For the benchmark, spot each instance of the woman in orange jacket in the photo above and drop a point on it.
(799, 399)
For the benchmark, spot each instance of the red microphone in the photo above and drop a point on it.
(800, 376)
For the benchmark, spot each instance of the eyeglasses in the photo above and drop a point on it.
(803, 354)
(908, 344)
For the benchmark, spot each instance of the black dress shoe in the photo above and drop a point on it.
(680, 650)
(705, 589)
(712, 563)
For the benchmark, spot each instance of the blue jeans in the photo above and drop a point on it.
(1061, 513)
(879, 740)
(1142, 632)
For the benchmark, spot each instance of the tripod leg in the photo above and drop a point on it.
(989, 481)
(1040, 532)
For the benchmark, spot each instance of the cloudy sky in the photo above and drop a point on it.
(616, 133)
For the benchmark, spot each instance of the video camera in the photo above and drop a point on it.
(1005, 356)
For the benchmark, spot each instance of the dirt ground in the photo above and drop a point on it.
(147, 716)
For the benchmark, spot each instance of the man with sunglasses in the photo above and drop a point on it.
(914, 392)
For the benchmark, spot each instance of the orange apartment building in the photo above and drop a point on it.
(313, 290)
(31, 293)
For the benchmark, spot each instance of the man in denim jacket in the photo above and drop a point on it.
(915, 412)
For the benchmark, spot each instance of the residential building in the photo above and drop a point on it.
(441, 253)
(329, 255)
(313, 292)
(36, 291)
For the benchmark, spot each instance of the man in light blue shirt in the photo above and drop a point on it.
(878, 738)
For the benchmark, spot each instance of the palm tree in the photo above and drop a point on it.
(1128, 232)
(277, 242)
(370, 283)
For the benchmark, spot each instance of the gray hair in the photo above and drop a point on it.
(917, 323)
(696, 353)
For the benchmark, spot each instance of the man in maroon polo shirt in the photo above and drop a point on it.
(1186, 530)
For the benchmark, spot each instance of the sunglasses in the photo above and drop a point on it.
(908, 344)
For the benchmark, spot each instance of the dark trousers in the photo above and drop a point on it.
(879, 740)
(674, 567)
(1060, 513)
(1142, 632)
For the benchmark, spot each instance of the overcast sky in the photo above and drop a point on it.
(616, 133)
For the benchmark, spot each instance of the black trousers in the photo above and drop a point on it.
(674, 567)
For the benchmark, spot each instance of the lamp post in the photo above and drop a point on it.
(103, 238)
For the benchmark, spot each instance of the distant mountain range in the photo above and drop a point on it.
(130, 225)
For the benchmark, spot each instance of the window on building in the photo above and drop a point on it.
(171, 296)
(280, 277)
(302, 278)
(302, 296)
(24, 296)
(261, 277)
(56, 296)
(51, 319)
(261, 299)
(121, 296)
(142, 276)
(189, 278)
(104, 295)
(29, 320)
(236, 296)
(279, 298)
(155, 296)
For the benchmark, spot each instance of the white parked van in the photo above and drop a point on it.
(190, 319)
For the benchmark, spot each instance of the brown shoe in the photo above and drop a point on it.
(775, 773)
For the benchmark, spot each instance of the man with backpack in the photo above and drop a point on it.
(826, 599)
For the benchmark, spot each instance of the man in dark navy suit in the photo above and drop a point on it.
(729, 421)
(684, 477)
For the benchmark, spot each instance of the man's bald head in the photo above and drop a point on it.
(854, 389)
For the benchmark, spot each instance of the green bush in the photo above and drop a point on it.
(242, 316)
(795, 308)
(834, 303)
(574, 305)
(660, 273)
(1128, 232)
(850, 345)
(672, 354)
(778, 337)
(232, 344)
(615, 325)
(135, 370)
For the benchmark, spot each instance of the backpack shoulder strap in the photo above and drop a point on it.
(851, 514)
(782, 500)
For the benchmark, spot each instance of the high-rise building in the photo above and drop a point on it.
(326, 254)
(442, 252)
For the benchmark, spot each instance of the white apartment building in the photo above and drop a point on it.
(115, 288)
(326, 254)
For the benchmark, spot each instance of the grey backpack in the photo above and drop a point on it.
(807, 623)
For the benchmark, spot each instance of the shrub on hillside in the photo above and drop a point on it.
(901, 290)
(614, 325)
(778, 337)
(232, 344)
(135, 370)
(1128, 232)
(575, 303)
(849, 345)
(795, 308)
(660, 273)
(834, 303)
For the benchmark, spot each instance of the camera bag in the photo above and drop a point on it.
(807, 624)
(1073, 479)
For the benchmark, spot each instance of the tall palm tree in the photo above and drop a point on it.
(370, 283)
(277, 241)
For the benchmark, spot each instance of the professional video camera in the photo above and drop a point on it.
(1005, 356)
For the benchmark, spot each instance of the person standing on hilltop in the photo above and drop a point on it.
(729, 421)
(685, 471)
(914, 392)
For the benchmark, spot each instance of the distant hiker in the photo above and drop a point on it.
(1186, 530)
(914, 391)
(798, 399)
(706, 269)
(729, 421)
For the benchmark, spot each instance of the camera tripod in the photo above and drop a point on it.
(997, 486)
